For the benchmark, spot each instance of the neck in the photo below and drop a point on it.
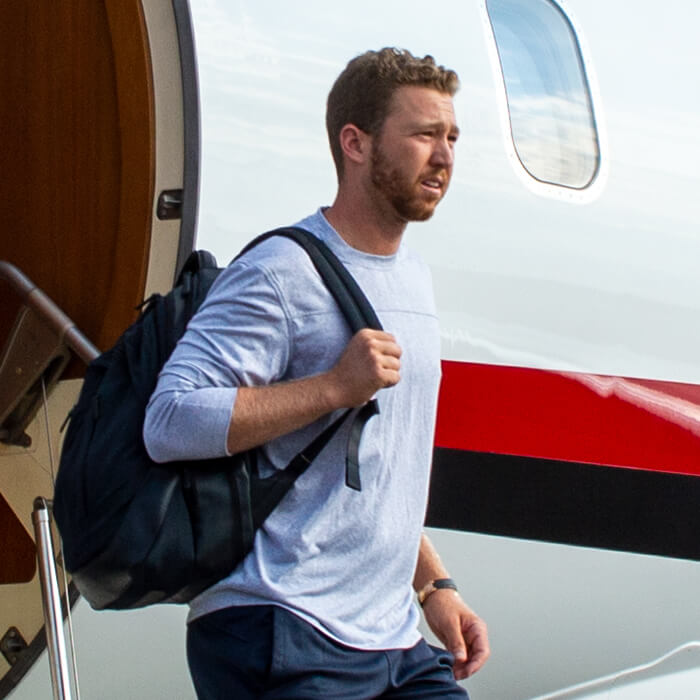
(365, 226)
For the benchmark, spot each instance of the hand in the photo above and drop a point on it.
(460, 629)
(370, 362)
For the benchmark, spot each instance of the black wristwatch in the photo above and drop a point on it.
(430, 588)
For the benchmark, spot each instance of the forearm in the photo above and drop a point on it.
(454, 623)
(264, 413)
(369, 363)
(429, 566)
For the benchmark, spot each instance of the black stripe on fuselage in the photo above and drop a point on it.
(579, 504)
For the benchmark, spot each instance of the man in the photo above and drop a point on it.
(323, 605)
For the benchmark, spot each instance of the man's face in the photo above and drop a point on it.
(413, 155)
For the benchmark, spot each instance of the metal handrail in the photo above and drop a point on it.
(68, 335)
(51, 599)
(37, 300)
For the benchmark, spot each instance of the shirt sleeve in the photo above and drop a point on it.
(239, 337)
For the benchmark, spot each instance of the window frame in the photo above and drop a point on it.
(567, 192)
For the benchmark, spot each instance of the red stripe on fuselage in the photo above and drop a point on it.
(568, 416)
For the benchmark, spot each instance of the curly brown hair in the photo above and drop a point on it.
(362, 92)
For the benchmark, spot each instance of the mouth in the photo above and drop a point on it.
(434, 185)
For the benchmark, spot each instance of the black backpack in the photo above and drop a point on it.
(136, 532)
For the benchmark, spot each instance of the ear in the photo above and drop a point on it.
(355, 144)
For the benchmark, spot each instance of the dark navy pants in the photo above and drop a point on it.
(267, 652)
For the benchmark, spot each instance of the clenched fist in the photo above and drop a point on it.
(370, 362)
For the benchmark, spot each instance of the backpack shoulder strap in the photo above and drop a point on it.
(359, 314)
(341, 284)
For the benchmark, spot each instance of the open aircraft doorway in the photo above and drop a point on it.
(100, 118)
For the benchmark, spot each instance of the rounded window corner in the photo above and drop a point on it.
(547, 101)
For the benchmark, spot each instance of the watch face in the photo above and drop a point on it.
(425, 592)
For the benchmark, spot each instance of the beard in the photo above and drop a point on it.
(406, 197)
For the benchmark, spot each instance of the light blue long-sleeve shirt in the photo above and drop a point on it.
(341, 559)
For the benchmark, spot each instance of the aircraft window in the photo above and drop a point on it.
(549, 101)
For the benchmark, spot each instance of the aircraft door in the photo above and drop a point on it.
(100, 165)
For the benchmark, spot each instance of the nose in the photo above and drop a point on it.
(443, 153)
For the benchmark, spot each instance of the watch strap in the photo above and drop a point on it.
(435, 585)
